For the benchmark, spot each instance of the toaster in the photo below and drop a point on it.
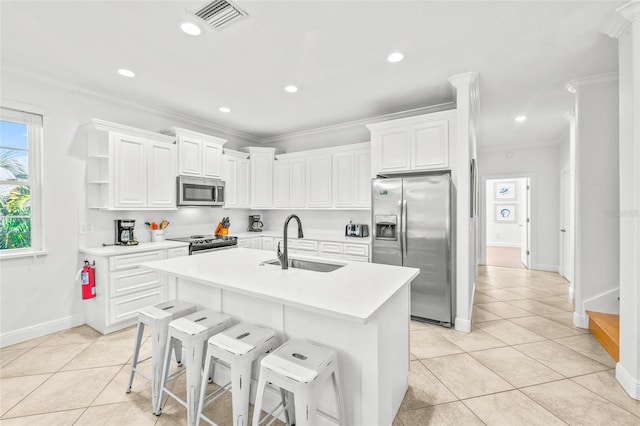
(356, 230)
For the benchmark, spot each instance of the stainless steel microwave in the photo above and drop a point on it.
(197, 191)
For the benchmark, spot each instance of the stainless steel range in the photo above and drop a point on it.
(199, 244)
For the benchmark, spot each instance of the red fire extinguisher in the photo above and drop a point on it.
(88, 279)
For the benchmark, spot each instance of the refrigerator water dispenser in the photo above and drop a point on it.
(386, 227)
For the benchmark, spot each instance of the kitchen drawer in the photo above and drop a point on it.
(329, 248)
(267, 243)
(244, 243)
(127, 261)
(356, 258)
(307, 246)
(126, 307)
(133, 280)
(177, 252)
(292, 244)
(356, 249)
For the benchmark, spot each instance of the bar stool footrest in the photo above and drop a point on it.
(216, 394)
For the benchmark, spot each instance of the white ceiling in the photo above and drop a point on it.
(525, 53)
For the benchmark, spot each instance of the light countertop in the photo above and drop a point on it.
(116, 250)
(310, 235)
(354, 292)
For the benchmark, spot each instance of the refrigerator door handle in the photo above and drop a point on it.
(404, 228)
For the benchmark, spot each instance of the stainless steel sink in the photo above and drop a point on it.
(309, 265)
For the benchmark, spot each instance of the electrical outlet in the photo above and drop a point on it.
(86, 228)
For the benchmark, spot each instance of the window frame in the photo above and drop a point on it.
(35, 181)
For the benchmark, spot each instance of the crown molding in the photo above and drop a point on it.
(50, 79)
(621, 18)
(361, 122)
(466, 77)
(594, 80)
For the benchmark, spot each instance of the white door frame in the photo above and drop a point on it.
(565, 194)
(482, 208)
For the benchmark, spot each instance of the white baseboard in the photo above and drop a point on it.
(463, 325)
(548, 268)
(498, 244)
(572, 292)
(581, 321)
(607, 302)
(628, 383)
(39, 330)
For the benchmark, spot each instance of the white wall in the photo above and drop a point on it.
(541, 164)
(315, 221)
(37, 291)
(625, 25)
(504, 234)
(597, 199)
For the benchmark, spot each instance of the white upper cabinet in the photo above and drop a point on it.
(344, 188)
(129, 168)
(236, 177)
(281, 183)
(289, 177)
(189, 153)
(244, 184)
(298, 188)
(130, 171)
(319, 181)
(262, 160)
(415, 143)
(198, 154)
(161, 172)
(430, 145)
(351, 177)
(211, 159)
(393, 149)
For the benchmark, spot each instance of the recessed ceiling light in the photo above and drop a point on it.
(225, 109)
(126, 73)
(395, 57)
(191, 28)
(291, 89)
(521, 118)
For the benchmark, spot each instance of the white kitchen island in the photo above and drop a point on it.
(361, 309)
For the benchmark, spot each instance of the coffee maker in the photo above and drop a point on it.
(255, 225)
(124, 232)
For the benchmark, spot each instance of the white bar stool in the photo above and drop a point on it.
(158, 318)
(192, 332)
(238, 347)
(300, 367)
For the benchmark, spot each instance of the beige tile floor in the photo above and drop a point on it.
(523, 363)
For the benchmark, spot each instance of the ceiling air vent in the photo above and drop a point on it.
(220, 14)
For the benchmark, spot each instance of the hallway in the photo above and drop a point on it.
(523, 363)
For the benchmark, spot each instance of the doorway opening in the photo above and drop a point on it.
(507, 222)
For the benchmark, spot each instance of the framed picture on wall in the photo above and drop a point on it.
(505, 191)
(505, 213)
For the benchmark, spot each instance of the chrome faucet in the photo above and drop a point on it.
(282, 255)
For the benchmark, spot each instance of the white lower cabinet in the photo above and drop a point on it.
(250, 242)
(267, 244)
(123, 287)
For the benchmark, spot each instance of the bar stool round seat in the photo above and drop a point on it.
(300, 367)
(158, 318)
(192, 332)
(237, 347)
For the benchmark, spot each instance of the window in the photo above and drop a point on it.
(20, 174)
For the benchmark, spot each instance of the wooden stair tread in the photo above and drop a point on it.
(606, 329)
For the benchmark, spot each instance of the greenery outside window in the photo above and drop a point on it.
(20, 183)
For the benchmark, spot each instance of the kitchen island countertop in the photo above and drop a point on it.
(354, 292)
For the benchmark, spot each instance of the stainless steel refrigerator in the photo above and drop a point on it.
(412, 226)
